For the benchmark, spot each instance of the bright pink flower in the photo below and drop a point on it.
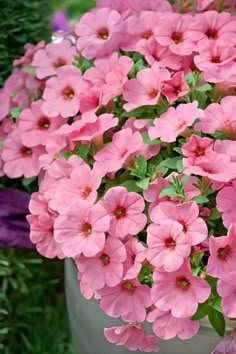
(154, 52)
(146, 88)
(113, 156)
(30, 49)
(133, 336)
(226, 203)
(106, 267)
(226, 288)
(125, 211)
(61, 94)
(180, 291)
(222, 258)
(197, 150)
(81, 229)
(99, 33)
(35, 128)
(186, 214)
(166, 326)
(167, 245)
(135, 256)
(53, 56)
(174, 121)
(175, 87)
(20, 160)
(129, 300)
(173, 31)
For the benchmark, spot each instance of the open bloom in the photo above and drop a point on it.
(226, 288)
(226, 203)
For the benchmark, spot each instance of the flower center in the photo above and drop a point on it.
(87, 229)
(85, 193)
(216, 59)
(120, 212)
(223, 252)
(59, 62)
(152, 94)
(183, 283)
(68, 93)
(103, 33)
(177, 37)
(147, 34)
(128, 287)
(211, 33)
(170, 243)
(43, 123)
(200, 151)
(105, 259)
(25, 151)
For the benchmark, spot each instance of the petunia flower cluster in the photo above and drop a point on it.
(131, 131)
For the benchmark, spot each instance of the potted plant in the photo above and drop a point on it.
(131, 131)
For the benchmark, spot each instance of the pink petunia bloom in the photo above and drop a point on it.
(227, 344)
(30, 49)
(167, 245)
(125, 211)
(174, 121)
(99, 33)
(145, 89)
(154, 52)
(114, 155)
(197, 150)
(121, 6)
(175, 87)
(106, 267)
(226, 203)
(150, 5)
(227, 147)
(110, 74)
(135, 257)
(166, 326)
(222, 258)
(61, 94)
(20, 160)
(226, 288)
(81, 229)
(35, 128)
(53, 56)
(179, 291)
(133, 336)
(194, 227)
(127, 300)
(173, 31)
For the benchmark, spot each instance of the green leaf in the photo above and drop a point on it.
(141, 112)
(86, 64)
(15, 112)
(215, 214)
(185, 179)
(27, 181)
(148, 141)
(204, 88)
(143, 183)
(201, 97)
(172, 163)
(202, 311)
(215, 302)
(145, 274)
(180, 167)
(217, 321)
(82, 151)
(131, 186)
(200, 199)
(167, 191)
(65, 154)
(1, 143)
(30, 70)
(140, 167)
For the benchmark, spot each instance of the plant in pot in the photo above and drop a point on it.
(132, 133)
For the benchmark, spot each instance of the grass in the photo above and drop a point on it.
(33, 316)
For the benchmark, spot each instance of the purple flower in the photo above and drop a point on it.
(14, 228)
(60, 21)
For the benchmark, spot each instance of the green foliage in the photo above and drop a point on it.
(74, 8)
(21, 21)
(33, 316)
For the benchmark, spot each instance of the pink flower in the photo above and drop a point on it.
(226, 345)
(219, 117)
(197, 150)
(99, 33)
(121, 6)
(226, 147)
(81, 229)
(52, 57)
(150, 5)
(226, 288)
(30, 49)
(135, 257)
(186, 214)
(106, 267)
(20, 160)
(222, 258)
(146, 88)
(129, 300)
(35, 128)
(133, 336)
(174, 121)
(167, 245)
(115, 154)
(125, 211)
(179, 291)
(61, 94)
(166, 326)
(226, 203)
(175, 87)
(173, 31)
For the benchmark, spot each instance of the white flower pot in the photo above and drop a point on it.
(87, 321)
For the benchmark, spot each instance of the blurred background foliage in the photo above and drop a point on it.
(33, 316)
